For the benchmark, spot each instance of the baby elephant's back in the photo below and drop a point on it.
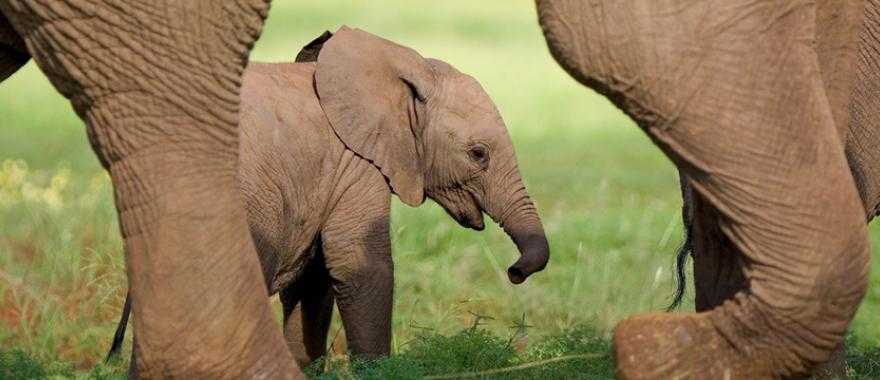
(283, 127)
(279, 107)
(287, 153)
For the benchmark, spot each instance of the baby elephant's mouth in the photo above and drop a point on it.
(462, 207)
(475, 223)
(472, 219)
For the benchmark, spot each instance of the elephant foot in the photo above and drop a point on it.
(835, 367)
(679, 346)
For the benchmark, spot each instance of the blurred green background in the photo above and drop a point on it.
(608, 197)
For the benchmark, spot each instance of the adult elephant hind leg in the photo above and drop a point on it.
(731, 92)
(718, 266)
(157, 85)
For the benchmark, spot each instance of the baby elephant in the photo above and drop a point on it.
(324, 144)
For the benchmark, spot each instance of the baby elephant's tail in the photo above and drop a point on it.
(116, 347)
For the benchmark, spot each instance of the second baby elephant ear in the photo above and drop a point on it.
(370, 89)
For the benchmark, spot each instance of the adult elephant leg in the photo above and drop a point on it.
(863, 135)
(13, 52)
(157, 84)
(132, 368)
(718, 266)
(731, 91)
(719, 273)
(853, 94)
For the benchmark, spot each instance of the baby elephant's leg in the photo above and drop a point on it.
(365, 303)
(357, 250)
(308, 310)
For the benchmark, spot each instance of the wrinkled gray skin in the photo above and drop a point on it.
(318, 208)
(718, 274)
(749, 99)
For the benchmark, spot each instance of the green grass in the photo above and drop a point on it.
(575, 353)
(608, 198)
(19, 364)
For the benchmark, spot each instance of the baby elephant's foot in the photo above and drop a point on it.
(679, 346)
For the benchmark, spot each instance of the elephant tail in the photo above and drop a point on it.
(686, 248)
(681, 258)
(119, 336)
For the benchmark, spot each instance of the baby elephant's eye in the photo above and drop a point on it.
(480, 155)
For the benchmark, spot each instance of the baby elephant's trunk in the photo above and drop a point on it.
(519, 218)
(532, 244)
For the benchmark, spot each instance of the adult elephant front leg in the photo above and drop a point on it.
(732, 93)
(13, 52)
(157, 85)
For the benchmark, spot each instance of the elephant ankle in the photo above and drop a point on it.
(789, 348)
(667, 346)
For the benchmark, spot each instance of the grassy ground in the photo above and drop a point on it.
(608, 198)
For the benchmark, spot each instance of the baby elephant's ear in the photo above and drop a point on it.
(309, 53)
(369, 88)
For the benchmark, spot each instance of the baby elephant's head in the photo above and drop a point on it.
(431, 130)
